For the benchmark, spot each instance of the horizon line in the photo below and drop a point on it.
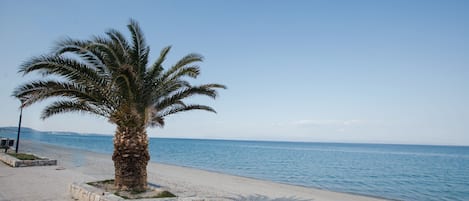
(257, 140)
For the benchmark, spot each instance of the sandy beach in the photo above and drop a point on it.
(51, 182)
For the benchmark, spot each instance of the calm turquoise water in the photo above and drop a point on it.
(400, 172)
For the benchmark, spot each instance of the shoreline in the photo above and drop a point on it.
(77, 165)
(276, 182)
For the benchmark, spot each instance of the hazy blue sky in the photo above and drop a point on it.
(343, 71)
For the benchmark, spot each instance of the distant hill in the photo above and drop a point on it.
(15, 129)
(30, 130)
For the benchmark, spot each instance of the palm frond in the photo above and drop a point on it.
(182, 94)
(211, 86)
(191, 71)
(111, 58)
(178, 109)
(139, 49)
(120, 41)
(160, 90)
(157, 67)
(188, 59)
(64, 106)
(82, 49)
(67, 68)
(37, 91)
(70, 45)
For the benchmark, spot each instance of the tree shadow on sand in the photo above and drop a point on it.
(265, 198)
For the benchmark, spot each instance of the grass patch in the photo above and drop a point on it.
(108, 185)
(22, 156)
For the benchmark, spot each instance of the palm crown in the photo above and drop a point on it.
(109, 76)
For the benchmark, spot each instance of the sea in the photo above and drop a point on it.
(395, 172)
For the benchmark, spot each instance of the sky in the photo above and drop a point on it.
(322, 71)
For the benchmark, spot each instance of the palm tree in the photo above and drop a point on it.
(110, 77)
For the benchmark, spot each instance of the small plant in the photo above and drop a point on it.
(165, 194)
(22, 156)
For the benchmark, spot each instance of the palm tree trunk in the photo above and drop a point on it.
(131, 158)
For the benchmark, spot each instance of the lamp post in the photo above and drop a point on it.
(19, 128)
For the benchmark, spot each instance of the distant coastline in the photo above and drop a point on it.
(11, 129)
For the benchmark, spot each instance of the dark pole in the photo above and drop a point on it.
(19, 129)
